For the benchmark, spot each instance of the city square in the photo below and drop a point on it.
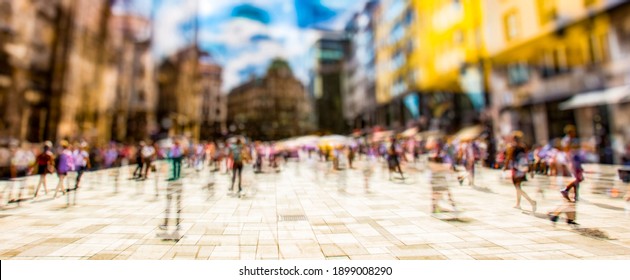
(309, 211)
(376, 130)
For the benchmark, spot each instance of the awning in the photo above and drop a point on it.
(614, 95)
(469, 133)
(382, 135)
(410, 132)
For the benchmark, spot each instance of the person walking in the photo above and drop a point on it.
(176, 155)
(236, 156)
(65, 165)
(351, 155)
(437, 174)
(575, 163)
(517, 159)
(81, 159)
(568, 208)
(469, 154)
(45, 164)
(148, 153)
(137, 173)
(22, 163)
(393, 160)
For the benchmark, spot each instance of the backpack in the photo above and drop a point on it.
(237, 153)
(520, 163)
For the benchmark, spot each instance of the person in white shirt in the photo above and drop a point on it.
(148, 152)
(81, 161)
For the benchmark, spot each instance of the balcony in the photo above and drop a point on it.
(574, 81)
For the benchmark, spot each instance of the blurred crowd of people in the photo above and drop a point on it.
(562, 157)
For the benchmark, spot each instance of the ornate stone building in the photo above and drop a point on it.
(273, 107)
(54, 54)
(68, 66)
(189, 95)
(133, 112)
(214, 103)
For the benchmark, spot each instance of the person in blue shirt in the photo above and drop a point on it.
(176, 155)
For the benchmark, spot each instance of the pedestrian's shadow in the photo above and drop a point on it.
(483, 189)
(63, 207)
(402, 181)
(537, 215)
(593, 233)
(174, 236)
(452, 217)
(42, 200)
(602, 205)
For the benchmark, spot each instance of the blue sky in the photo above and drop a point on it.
(244, 35)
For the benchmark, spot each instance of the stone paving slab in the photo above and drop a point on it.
(308, 211)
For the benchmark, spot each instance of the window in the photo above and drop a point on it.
(589, 3)
(410, 47)
(458, 37)
(408, 20)
(547, 11)
(457, 4)
(398, 32)
(399, 86)
(398, 60)
(560, 59)
(555, 62)
(510, 24)
(518, 74)
(598, 47)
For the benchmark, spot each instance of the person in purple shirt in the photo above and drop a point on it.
(66, 164)
(576, 159)
(111, 154)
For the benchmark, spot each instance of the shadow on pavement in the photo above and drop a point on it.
(602, 205)
(483, 189)
(593, 233)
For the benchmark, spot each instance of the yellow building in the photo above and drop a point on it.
(396, 75)
(449, 33)
(549, 57)
(433, 49)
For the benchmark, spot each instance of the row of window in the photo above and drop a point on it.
(561, 59)
(547, 11)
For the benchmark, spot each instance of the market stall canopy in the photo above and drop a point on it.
(410, 132)
(469, 133)
(335, 140)
(614, 95)
(308, 141)
(382, 135)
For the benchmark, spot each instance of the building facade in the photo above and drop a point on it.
(133, 87)
(559, 63)
(214, 103)
(273, 107)
(56, 58)
(429, 64)
(327, 82)
(359, 104)
(74, 70)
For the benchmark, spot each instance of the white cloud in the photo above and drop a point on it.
(288, 42)
(264, 52)
(169, 17)
(212, 7)
(234, 33)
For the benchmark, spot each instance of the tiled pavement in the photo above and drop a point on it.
(306, 212)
